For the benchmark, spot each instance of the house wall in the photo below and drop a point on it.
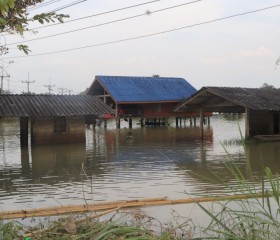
(261, 123)
(166, 110)
(43, 131)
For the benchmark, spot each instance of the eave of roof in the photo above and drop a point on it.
(253, 98)
(51, 105)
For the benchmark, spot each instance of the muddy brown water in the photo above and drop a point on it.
(158, 162)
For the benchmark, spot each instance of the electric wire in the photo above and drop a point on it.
(43, 4)
(106, 23)
(95, 15)
(149, 35)
(67, 6)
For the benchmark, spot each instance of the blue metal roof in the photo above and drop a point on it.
(146, 89)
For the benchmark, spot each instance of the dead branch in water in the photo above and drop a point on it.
(52, 211)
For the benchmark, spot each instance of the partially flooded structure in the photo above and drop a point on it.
(52, 118)
(261, 106)
(153, 99)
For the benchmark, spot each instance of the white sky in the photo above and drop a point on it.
(237, 52)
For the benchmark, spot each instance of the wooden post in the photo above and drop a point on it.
(176, 122)
(130, 123)
(155, 121)
(180, 122)
(194, 121)
(94, 123)
(24, 131)
(201, 123)
(118, 122)
(105, 123)
(208, 120)
(247, 123)
(191, 121)
(142, 122)
(25, 160)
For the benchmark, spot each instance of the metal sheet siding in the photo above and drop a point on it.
(51, 105)
(146, 89)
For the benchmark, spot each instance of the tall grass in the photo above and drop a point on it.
(249, 219)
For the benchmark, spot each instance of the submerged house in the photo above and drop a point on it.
(261, 106)
(52, 118)
(150, 98)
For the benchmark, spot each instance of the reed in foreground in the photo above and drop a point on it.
(133, 225)
(248, 219)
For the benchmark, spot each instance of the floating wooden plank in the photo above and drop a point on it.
(53, 211)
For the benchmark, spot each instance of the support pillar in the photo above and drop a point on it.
(105, 123)
(25, 161)
(247, 123)
(208, 120)
(201, 123)
(194, 121)
(191, 122)
(118, 123)
(142, 122)
(24, 131)
(176, 122)
(94, 123)
(130, 122)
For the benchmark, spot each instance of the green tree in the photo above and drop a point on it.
(15, 18)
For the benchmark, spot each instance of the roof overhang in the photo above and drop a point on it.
(206, 100)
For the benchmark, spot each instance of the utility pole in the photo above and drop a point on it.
(50, 87)
(62, 90)
(28, 83)
(2, 79)
(69, 91)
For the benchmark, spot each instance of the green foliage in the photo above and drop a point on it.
(254, 218)
(15, 18)
(10, 231)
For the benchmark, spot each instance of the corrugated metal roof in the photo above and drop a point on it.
(254, 98)
(51, 105)
(258, 99)
(146, 89)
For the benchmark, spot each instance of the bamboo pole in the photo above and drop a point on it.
(52, 211)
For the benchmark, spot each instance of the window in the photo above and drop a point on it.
(60, 124)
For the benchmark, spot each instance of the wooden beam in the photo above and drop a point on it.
(54, 211)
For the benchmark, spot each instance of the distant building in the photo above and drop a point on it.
(260, 105)
(145, 97)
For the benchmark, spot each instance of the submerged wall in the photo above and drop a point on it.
(50, 130)
(263, 123)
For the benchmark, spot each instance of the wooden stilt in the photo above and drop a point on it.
(201, 123)
(118, 123)
(24, 131)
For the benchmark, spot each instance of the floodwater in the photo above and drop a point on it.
(159, 162)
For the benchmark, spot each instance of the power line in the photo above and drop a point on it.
(106, 23)
(95, 15)
(67, 6)
(43, 4)
(150, 35)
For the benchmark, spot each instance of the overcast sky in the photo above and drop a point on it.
(236, 52)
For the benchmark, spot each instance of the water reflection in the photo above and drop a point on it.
(161, 161)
